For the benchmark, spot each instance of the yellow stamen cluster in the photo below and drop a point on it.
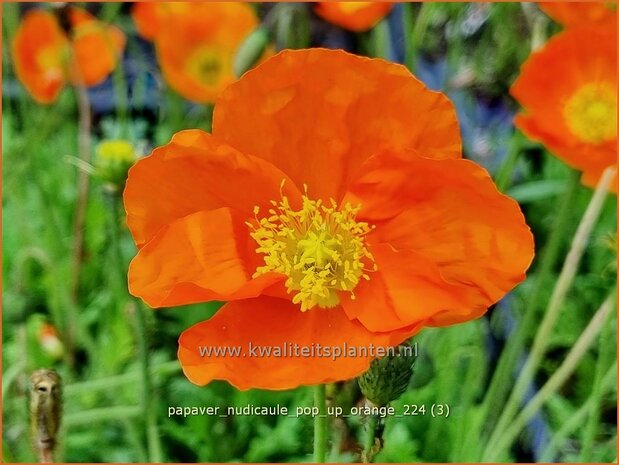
(50, 62)
(591, 113)
(116, 151)
(320, 248)
(207, 65)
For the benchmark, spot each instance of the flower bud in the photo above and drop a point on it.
(45, 412)
(388, 377)
(50, 342)
(250, 51)
(112, 162)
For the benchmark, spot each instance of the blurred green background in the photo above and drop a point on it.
(103, 340)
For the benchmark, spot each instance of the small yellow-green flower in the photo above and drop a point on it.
(113, 160)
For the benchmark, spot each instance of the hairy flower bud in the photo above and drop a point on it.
(388, 377)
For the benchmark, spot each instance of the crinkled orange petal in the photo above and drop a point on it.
(406, 289)
(317, 114)
(40, 53)
(580, 56)
(355, 16)
(451, 214)
(201, 257)
(195, 171)
(207, 31)
(579, 13)
(270, 322)
(97, 48)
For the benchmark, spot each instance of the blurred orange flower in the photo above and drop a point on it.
(330, 205)
(196, 43)
(150, 17)
(575, 13)
(568, 90)
(355, 16)
(46, 57)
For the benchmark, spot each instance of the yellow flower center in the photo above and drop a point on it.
(591, 113)
(207, 65)
(50, 61)
(320, 248)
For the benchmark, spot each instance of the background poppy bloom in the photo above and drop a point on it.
(355, 16)
(393, 231)
(150, 17)
(96, 46)
(575, 116)
(575, 13)
(46, 58)
(196, 43)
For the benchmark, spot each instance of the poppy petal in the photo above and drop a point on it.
(148, 17)
(96, 46)
(451, 213)
(197, 46)
(354, 16)
(194, 172)
(578, 13)
(544, 100)
(277, 323)
(406, 289)
(334, 109)
(200, 257)
(40, 51)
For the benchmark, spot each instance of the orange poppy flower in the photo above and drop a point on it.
(568, 90)
(575, 13)
(96, 47)
(150, 17)
(355, 16)
(46, 58)
(196, 43)
(330, 205)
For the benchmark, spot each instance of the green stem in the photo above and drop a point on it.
(119, 83)
(575, 421)
(591, 428)
(421, 23)
(148, 399)
(554, 383)
(381, 44)
(320, 424)
(407, 26)
(560, 290)
(501, 380)
(504, 175)
(370, 439)
(79, 220)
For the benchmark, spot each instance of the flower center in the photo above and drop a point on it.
(50, 62)
(320, 248)
(207, 65)
(591, 113)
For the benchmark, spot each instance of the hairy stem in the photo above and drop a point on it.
(320, 424)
